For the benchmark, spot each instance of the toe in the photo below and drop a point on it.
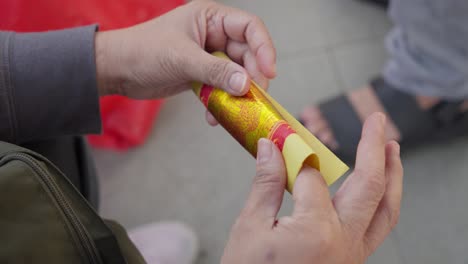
(310, 114)
(327, 137)
(317, 125)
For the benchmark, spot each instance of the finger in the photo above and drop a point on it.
(236, 51)
(217, 72)
(357, 200)
(244, 27)
(240, 53)
(250, 65)
(268, 187)
(388, 212)
(211, 119)
(310, 193)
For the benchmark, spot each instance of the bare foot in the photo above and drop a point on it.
(365, 102)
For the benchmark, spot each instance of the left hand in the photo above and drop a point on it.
(161, 57)
(345, 229)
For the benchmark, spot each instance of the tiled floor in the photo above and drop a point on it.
(194, 173)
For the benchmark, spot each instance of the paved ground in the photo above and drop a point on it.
(197, 174)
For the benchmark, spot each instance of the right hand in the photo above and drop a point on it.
(345, 229)
(162, 56)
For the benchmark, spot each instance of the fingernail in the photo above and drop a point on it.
(264, 150)
(237, 82)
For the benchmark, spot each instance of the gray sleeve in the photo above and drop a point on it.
(48, 85)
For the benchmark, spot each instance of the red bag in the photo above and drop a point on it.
(126, 122)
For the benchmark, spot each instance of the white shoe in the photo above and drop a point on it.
(166, 243)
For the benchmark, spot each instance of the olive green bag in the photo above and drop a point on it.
(44, 219)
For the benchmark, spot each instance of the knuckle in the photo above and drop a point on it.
(210, 8)
(255, 25)
(355, 228)
(217, 72)
(371, 172)
(376, 185)
(266, 176)
(257, 21)
(374, 180)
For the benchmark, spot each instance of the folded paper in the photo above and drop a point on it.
(257, 115)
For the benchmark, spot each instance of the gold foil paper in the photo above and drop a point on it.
(256, 115)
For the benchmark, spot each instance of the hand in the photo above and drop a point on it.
(161, 57)
(346, 229)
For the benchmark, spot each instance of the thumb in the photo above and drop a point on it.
(311, 193)
(269, 183)
(220, 73)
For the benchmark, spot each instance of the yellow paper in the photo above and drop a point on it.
(255, 115)
(331, 167)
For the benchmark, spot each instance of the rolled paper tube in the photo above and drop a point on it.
(256, 115)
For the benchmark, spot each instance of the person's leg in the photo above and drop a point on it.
(428, 48)
(428, 63)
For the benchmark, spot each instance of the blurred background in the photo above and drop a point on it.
(191, 172)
